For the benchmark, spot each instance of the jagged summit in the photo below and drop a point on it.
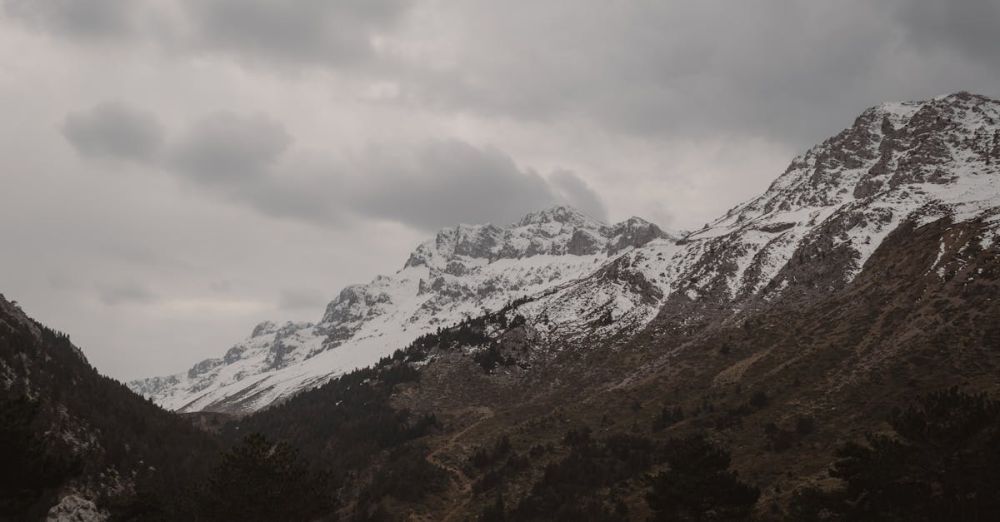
(945, 146)
(563, 214)
(560, 230)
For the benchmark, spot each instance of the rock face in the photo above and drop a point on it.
(74, 508)
(462, 272)
(813, 230)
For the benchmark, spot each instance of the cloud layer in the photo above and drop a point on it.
(243, 158)
(114, 130)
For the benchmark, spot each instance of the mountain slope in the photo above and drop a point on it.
(587, 282)
(462, 272)
(782, 386)
(912, 162)
(71, 436)
(866, 276)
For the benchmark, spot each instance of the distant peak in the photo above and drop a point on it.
(964, 97)
(558, 214)
(264, 328)
(906, 109)
(895, 152)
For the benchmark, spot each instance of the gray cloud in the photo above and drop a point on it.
(426, 186)
(301, 31)
(577, 193)
(258, 31)
(660, 69)
(299, 299)
(238, 157)
(128, 292)
(93, 19)
(114, 130)
(446, 182)
(969, 27)
(242, 158)
(691, 70)
(223, 147)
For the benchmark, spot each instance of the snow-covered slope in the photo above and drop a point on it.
(899, 163)
(463, 271)
(911, 162)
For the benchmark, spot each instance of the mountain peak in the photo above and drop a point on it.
(563, 214)
(556, 231)
(894, 152)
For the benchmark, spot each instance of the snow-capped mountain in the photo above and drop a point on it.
(462, 272)
(910, 162)
(899, 164)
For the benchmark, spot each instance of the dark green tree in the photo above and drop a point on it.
(668, 417)
(942, 463)
(698, 485)
(27, 471)
(261, 480)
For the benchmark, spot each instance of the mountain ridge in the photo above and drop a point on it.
(461, 272)
(898, 162)
(781, 336)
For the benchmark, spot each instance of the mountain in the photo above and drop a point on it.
(464, 271)
(899, 166)
(913, 163)
(825, 351)
(909, 162)
(861, 284)
(70, 437)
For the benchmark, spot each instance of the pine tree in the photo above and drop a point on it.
(261, 480)
(699, 486)
(942, 463)
(27, 471)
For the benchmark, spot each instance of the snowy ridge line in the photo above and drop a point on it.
(463, 272)
(899, 162)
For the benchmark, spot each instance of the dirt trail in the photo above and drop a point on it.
(463, 480)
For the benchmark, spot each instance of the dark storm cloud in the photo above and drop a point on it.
(224, 147)
(270, 31)
(793, 72)
(786, 71)
(299, 31)
(238, 156)
(575, 191)
(426, 186)
(245, 159)
(91, 19)
(114, 130)
(969, 27)
(668, 69)
(448, 182)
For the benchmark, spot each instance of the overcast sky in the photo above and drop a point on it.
(174, 171)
